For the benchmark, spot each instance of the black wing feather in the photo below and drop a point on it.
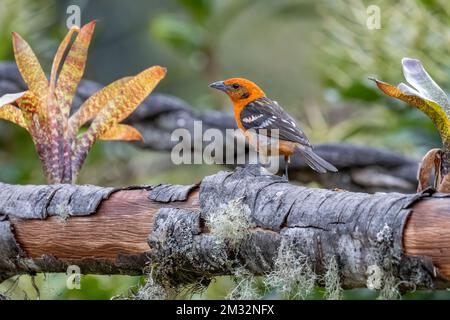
(264, 113)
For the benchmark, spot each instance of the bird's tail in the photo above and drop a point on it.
(315, 162)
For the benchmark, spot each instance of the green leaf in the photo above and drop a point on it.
(177, 33)
(199, 9)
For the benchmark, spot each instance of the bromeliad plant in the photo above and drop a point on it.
(44, 109)
(429, 98)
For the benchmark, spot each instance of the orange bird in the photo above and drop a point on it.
(257, 115)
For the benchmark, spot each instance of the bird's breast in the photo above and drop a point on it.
(268, 145)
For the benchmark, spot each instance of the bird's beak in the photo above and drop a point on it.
(219, 85)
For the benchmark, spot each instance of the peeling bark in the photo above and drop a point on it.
(125, 230)
(344, 225)
(40, 202)
(170, 193)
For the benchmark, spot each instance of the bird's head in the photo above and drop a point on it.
(239, 90)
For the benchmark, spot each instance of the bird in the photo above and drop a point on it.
(257, 116)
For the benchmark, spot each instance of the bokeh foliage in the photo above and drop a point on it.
(417, 29)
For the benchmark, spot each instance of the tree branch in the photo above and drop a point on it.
(184, 230)
(360, 168)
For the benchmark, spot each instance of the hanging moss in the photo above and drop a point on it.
(292, 276)
(332, 281)
(246, 286)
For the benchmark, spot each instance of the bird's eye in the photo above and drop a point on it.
(235, 85)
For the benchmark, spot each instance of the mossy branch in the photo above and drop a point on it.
(240, 222)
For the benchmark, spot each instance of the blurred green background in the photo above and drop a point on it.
(314, 57)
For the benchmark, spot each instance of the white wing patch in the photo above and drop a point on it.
(252, 118)
(266, 123)
(290, 122)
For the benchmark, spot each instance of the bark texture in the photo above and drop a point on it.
(358, 230)
(360, 168)
(194, 232)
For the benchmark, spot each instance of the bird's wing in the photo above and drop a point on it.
(264, 113)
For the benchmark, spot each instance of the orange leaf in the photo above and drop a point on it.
(29, 67)
(73, 69)
(126, 100)
(29, 102)
(59, 55)
(92, 106)
(13, 114)
(10, 98)
(122, 132)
